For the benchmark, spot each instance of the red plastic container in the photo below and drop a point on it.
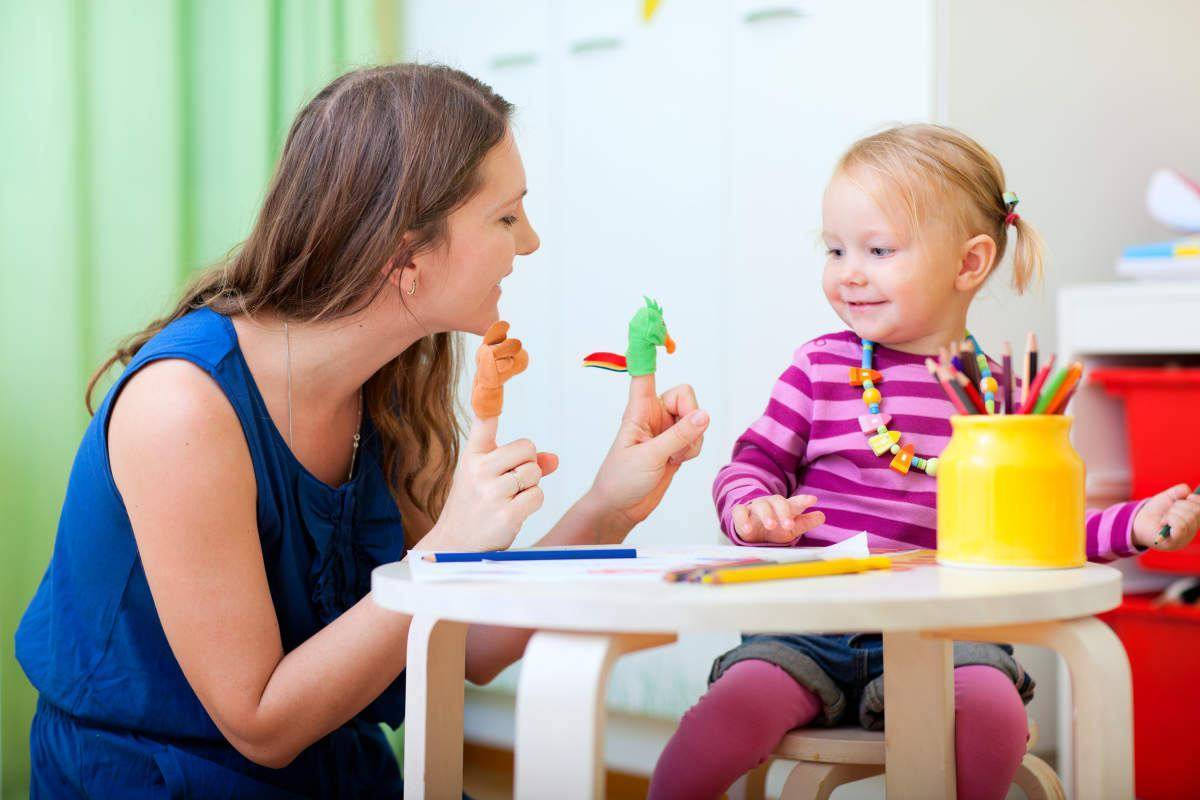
(1163, 644)
(1158, 403)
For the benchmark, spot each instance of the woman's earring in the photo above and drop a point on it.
(412, 289)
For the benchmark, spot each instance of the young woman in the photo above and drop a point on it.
(204, 627)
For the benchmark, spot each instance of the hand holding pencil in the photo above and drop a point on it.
(1169, 520)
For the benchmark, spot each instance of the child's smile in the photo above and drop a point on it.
(882, 281)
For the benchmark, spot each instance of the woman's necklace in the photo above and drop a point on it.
(357, 429)
(883, 441)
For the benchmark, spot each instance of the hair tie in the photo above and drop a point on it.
(1010, 204)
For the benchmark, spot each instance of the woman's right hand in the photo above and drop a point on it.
(495, 489)
(776, 519)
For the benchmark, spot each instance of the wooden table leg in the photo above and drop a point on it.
(560, 711)
(433, 724)
(918, 691)
(1101, 693)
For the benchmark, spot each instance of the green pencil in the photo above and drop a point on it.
(1050, 389)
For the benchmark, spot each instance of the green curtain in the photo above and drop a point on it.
(136, 141)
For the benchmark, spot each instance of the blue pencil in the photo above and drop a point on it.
(533, 554)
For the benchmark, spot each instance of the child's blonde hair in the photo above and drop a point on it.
(932, 166)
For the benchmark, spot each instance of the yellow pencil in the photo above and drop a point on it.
(804, 569)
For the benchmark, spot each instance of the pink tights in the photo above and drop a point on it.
(745, 713)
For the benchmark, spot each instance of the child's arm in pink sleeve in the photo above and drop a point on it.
(1110, 531)
(768, 456)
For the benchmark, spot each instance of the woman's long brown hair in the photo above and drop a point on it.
(378, 153)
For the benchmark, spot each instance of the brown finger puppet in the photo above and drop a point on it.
(497, 359)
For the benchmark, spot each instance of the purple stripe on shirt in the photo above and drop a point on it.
(779, 435)
(916, 406)
(926, 389)
(907, 423)
(831, 534)
(791, 419)
(796, 378)
(911, 513)
(782, 459)
(887, 479)
(891, 527)
(820, 481)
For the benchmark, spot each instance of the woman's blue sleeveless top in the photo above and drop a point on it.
(116, 717)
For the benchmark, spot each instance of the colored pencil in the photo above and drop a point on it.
(1067, 400)
(1035, 390)
(1031, 365)
(960, 398)
(1051, 388)
(957, 362)
(1006, 380)
(960, 382)
(694, 574)
(533, 554)
(938, 373)
(970, 367)
(972, 393)
(804, 569)
(1058, 402)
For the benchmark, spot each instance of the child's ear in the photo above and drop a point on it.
(978, 258)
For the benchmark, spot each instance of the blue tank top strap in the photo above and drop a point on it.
(209, 341)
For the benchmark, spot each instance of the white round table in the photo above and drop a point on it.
(920, 609)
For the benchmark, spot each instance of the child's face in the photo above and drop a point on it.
(886, 284)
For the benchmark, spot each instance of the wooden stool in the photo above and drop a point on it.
(829, 757)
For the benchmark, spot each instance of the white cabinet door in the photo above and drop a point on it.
(806, 80)
(643, 182)
(509, 47)
(439, 31)
(517, 58)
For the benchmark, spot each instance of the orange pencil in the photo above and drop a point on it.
(1059, 401)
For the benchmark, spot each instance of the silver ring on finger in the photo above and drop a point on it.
(517, 480)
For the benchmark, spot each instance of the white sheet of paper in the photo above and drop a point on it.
(651, 564)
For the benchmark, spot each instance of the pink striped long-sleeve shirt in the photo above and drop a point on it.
(809, 442)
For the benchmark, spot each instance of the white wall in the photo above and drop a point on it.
(1080, 101)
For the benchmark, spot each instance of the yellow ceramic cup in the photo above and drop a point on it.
(1011, 494)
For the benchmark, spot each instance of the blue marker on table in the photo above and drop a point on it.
(533, 554)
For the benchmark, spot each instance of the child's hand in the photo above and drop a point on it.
(1176, 507)
(776, 519)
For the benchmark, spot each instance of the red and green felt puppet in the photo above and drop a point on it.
(647, 332)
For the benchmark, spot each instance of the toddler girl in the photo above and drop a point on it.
(915, 219)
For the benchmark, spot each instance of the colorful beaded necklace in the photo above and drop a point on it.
(883, 441)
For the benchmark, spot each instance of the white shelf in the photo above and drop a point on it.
(1129, 318)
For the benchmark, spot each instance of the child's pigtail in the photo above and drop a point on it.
(1028, 250)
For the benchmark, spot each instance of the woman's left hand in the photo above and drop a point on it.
(657, 435)
(1175, 507)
